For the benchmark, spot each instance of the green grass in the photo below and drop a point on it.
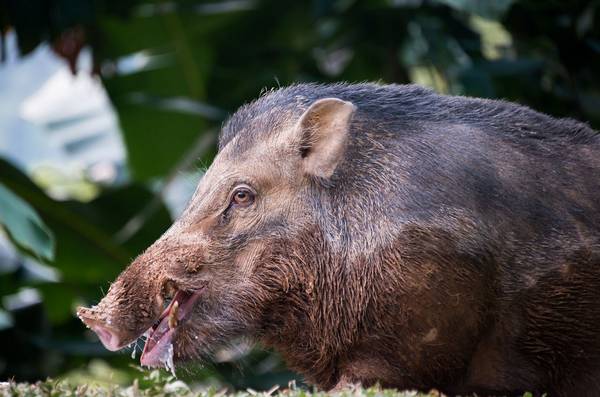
(156, 384)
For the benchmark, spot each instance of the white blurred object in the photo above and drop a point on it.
(25, 297)
(53, 119)
(77, 115)
(65, 96)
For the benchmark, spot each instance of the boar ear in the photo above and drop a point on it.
(323, 130)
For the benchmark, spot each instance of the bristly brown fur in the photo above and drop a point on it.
(456, 246)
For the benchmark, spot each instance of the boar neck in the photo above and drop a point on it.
(319, 313)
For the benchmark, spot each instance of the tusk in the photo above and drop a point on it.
(173, 315)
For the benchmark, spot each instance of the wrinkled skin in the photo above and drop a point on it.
(383, 234)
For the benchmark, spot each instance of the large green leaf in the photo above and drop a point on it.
(156, 139)
(162, 109)
(88, 255)
(24, 224)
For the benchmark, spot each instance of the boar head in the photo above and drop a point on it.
(225, 264)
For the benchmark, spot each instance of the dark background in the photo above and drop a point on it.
(201, 61)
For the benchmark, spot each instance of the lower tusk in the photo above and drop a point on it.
(173, 315)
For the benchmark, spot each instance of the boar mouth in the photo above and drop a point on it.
(158, 350)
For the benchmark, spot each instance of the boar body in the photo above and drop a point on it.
(386, 235)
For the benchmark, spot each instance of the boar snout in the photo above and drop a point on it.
(133, 303)
(119, 322)
(108, 335)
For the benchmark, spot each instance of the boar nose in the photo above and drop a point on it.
(109, 336)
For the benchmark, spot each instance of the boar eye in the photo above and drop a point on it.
(242, 197)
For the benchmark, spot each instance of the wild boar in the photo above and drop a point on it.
(383, 234)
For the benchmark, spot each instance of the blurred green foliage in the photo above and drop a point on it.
(197, 61)
(24, 225)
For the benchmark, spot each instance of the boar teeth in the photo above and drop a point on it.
(173, 315)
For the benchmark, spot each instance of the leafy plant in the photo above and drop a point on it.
(24, 225)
